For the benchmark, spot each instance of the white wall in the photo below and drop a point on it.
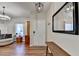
(68, 42)
(12, 24)
(3, 27)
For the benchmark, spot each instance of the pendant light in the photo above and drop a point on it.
(3, 16)
(39, 6)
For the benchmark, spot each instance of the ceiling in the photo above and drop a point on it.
(21, 9)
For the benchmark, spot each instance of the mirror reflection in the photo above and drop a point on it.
(63, 20)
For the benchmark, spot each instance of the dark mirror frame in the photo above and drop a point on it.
(75, 19)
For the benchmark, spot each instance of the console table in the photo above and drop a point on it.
(55, 50)
(18, 39)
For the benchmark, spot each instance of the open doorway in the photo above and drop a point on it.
(23, 33)
(19, 33)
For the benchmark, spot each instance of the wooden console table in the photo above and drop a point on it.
(19, 39)
(55, 50)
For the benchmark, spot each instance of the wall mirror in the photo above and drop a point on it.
(65, 19)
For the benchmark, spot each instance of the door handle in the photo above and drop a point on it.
(33, 32)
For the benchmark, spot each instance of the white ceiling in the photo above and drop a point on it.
(21, 9)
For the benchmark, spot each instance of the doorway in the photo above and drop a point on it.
(27, 36)
(19, 30)
(19, 33)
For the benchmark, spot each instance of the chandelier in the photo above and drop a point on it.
(3, 16)
(69, 8)
(39, 6)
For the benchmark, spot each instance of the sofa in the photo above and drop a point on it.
(6, 39)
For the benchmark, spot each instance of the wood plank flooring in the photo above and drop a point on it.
(22, 50)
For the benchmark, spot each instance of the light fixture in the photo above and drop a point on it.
(3, 16)
(39, 6)
(69, 8)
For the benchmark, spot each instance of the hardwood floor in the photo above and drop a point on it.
(22, 50)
